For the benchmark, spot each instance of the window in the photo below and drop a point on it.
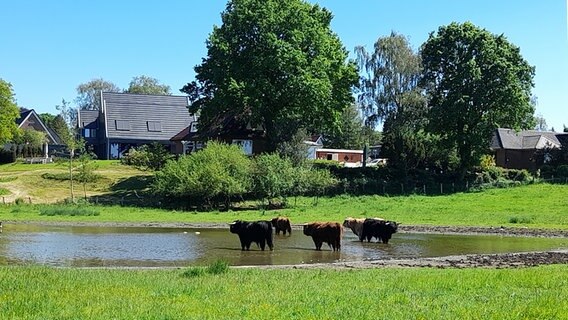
(246, 145)
(154, 126)
(90, 133)
(193, 127)
(122, 125)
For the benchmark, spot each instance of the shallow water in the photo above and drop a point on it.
(175, 247)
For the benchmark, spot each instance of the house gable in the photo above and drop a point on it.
(29, 119)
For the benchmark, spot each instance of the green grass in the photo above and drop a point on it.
(4, 191)
(68, 211)
(52, 293)
(534, 206)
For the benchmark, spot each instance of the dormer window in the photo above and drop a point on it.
(193, 127)
(154, 126)
(122, 125)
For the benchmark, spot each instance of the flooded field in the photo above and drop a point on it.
(175, 247)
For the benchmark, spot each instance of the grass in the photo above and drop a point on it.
(47, 293)
(68, 211)
(534, 206)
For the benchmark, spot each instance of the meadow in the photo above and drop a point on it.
(393, 293)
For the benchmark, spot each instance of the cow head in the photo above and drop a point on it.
(236, 226)
(348, 222)
(392, 226)
(308, 229)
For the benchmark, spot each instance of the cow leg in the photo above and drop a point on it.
(269, 242)
(262, 244)
(248, 245)
(318, 245)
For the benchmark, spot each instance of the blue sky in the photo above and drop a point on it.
(48, 48)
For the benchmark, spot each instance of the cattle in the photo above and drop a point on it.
(356, 225)
(281, 224)
(259, 232)
(328, 232)
(380, 229)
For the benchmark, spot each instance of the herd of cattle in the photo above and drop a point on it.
(260, 232)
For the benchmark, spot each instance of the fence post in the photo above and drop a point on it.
(441, 188)
(3, 200)
(466, 185)
(424, 187)
(402, 188)
(30, 200)
(453, 188)
(384, 190)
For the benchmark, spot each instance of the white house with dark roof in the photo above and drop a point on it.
(127, 120)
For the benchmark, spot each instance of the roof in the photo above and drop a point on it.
(227, 125)
(527, 139)
(339, 151)
(26, 114)
(144, 117)
(88, 119)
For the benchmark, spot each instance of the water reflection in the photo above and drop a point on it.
(174, 247)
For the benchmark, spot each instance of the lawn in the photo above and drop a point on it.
(533, 206)
(389, 293)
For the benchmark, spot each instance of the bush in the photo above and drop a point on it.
(7, 156)
(562, 171)
(19, 201)
(217, 267)
(217, 172)
(272, 177)
(68, 211)
(147, 157)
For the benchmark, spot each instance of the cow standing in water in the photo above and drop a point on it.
(259, 232)
(380, 229)
(328, 232)
(282, 224)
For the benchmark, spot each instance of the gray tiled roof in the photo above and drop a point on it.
(88, 119)
(169, 112)
(527, 139)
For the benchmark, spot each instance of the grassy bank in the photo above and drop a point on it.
(533, 206)
(46, 293)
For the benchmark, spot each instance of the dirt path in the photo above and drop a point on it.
(505, 260)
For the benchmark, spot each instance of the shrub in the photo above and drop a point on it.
(147, 157)
(516, 219)
(19, 201)
(562, 171)
(68, 211)
(193, 272)
(219, 171)
(272, 176)
(4, 191)
(7, 156)
(218, 267)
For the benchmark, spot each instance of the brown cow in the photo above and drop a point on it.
(328, 232)
(356, 225)
(282, 224)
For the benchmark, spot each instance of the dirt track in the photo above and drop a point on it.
(505, 260)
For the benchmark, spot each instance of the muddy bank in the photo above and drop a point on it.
(503, 260)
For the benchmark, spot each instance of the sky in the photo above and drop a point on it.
(48, 48)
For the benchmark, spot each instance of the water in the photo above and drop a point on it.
(175, 247)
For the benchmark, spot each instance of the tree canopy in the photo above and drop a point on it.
(274, 63)
(147, 85)
(89, 93)
(476, 82)
(9, 112)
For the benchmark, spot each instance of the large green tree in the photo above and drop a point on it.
(389, 93)
(147, 85)
(274, 63)
(476, 82)
(351, 133)
(89, 93)
(9, 112)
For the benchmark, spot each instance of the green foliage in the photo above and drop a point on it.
(19, 201)
(4, 191)
(351, 133)
(147, 157)
(31, 137)
(9, 112)
(8, 178)
(89, 93)
(274, 63)
(272, 176)
(562, 171)
(7, 156)
(147, 85)
(218, 267)
(487, 161)
(218, 171)
(523, 220)
(476, 81)
(68, 211)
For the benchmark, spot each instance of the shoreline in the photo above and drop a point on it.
(500, 260)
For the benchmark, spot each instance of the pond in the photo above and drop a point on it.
(174, 247)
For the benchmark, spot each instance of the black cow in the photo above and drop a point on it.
(259, 232)
(380, 229)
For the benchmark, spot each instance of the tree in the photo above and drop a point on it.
(276, 64)
(89, 93)
(70, 138)
(476, 82)
(351, 133)
(9, 112)
(540, 123)
(59, 125)
(389, 93)
(47, 119)
(147, 85)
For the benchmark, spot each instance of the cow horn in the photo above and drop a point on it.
(232, 223)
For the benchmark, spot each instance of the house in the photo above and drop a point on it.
(314, 143)
(349, 157)
(518, 149)
(127, 120)
(230, 129)
(30, 120)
